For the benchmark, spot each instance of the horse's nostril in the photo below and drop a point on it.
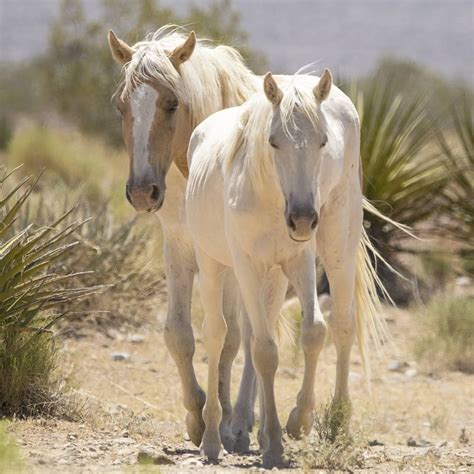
(127, 194)
(315, 221)
(155, 193)
(291, 222)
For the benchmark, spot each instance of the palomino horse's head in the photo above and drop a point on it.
(298, 136)
(150, 113)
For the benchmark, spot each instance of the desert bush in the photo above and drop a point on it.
(30, 294)
(444, 333)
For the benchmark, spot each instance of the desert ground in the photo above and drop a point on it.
(131, 417)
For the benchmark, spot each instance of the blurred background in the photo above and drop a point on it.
(406, 64)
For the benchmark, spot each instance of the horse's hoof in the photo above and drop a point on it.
(242, 442)
(298, 424)
(195, 427)
(228, 441)
(271, 460)
(211, 448)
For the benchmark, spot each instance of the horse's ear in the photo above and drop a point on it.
(272, 91)
(121, 51)
(184, 51)
(322, 90)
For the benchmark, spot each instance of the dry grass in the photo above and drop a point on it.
(444, 339)
(330, 446)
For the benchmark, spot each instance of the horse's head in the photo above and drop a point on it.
(298, 136)
(150, 114)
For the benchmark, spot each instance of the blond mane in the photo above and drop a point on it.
(251, 136)
(215, 77)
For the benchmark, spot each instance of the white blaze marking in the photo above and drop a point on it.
(301, 144)
(143, 104)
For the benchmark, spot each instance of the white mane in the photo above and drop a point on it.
(215, 77)
(251, 137)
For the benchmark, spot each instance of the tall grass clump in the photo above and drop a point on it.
(330, 446)
(445, 333)
(33, 298)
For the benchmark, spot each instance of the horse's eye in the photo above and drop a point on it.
(172, 108)
(273, 145)
(323, 144)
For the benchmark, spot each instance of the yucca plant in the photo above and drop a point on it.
(459, 162)
(30, 293)
(403, 173)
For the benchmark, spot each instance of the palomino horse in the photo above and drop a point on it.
(271, 181)
(173, 82)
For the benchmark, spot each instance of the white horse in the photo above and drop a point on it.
(271, 181)
(173, 82)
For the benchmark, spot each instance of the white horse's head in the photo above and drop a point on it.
(298, 137)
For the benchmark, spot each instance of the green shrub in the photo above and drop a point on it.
(30, 294)
(445, 333)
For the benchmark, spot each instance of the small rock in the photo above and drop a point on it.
(354, 376)
(443, 444)
(136, 338)
(410, 372)
(463, 281)
(422, 443)
(396, 366)
(119, 356)
(375, 442)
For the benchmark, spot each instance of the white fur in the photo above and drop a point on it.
(143, 104)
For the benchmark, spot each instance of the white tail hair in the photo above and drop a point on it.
(370, 323)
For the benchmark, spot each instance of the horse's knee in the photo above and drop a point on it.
(179, 337)
(343, 327)
(313, 336)
(214, 334)
(265, 355)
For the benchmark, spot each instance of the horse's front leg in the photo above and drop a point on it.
(338, 250)
(301, 273)
(264, 351)
(211, 283)
(179, 338)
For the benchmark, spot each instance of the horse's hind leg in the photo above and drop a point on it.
(211, 283)
(179, 338)
(231, 308)
(301, 273)
(243, 417)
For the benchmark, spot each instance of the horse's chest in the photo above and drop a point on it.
(263, 235)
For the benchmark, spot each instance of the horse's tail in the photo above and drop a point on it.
(370, 323)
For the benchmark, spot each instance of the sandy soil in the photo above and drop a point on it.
(411, 421)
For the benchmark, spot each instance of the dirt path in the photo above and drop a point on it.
(413, 421)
